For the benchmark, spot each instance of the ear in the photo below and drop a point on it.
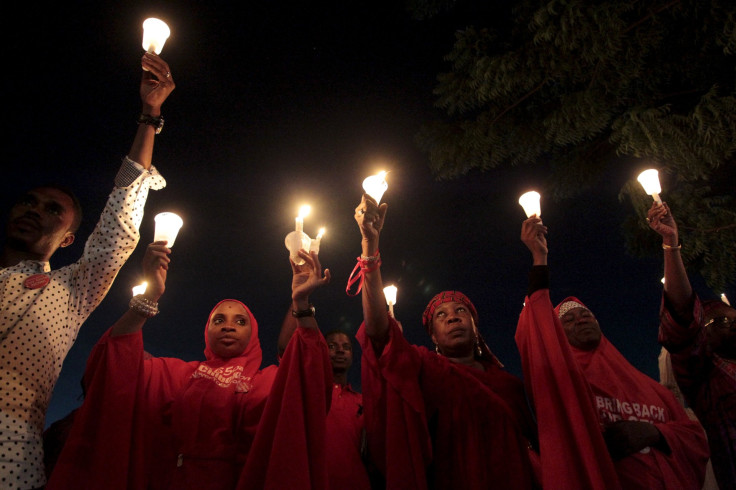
(67, 240)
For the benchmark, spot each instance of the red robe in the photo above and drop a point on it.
(164, 423)
(576, 392)
(432, 423)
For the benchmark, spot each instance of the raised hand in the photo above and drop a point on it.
(370, 217)
(660, 219)
(156, 83)
(155, 268)
(308, 276)
(533, 235)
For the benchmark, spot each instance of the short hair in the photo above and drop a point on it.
(76, 205)
(336, 331)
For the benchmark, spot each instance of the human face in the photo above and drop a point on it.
(229, 329)
(720, 327)
(341, 351)
(581, 328)
(40, 222)
(453, 329)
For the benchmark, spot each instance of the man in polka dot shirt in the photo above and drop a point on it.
(41, 309)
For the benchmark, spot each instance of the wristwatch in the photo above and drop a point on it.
(156, 122)
(303, 313)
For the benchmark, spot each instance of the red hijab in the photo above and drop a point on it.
(250, 358)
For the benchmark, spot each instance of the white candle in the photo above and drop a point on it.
(725, 299)
(530, 202)
(376, 185)
(314, 245)
(303, 211)
(649, 180)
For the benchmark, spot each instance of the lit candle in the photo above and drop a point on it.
(167, 228)
(390, 293)
(314, 245)
(649, 180)
(725, 299)
(376, 185)
(140, 288)
(530, 202)
(303, 212)
(155, 34)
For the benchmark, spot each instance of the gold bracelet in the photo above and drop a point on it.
(669, 247)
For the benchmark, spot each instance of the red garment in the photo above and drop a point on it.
(345, 467)
(576, 392)
(432, 423)
(165, 423)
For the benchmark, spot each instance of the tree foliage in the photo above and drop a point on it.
(581, 87)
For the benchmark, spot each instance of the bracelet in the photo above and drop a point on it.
(669, 247)
(143, 306)
(365, 264)
(156, 121)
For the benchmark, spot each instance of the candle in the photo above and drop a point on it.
(314, 245)
(649, 180)
(725, 299)
(376, 185)
(303, 212)
(390, 293)
(530, 202)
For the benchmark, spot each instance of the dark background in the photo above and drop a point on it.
(279, 104)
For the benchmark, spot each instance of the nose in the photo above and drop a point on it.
(227, 327)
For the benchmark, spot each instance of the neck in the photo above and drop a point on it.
(10, 257)
(468, 360)
(340, 378)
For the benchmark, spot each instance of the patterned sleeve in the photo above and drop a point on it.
(113, 239)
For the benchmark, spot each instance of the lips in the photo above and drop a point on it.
(27, 222)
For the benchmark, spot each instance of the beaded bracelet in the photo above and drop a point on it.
(143, 306)
(365, 264)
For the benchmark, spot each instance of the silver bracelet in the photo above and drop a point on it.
(143, 306)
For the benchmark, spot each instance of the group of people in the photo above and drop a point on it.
(582, 418)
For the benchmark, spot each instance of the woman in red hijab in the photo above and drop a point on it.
(603, 424)
(444, 419)
(223, 423)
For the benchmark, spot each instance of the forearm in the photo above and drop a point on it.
(677, 286)
(130, 322)
(288, 326)
(374, 308)
(141, 151)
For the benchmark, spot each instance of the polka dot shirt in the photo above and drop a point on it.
(40, 315)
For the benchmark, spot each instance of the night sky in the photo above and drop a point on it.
(285, 103)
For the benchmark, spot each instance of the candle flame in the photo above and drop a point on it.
(304, 210)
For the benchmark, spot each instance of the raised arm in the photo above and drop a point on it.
(156, 85)
(370, 218)
(142, 307)
(305, 279)
(677, 288)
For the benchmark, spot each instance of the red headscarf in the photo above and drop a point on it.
(251, 357)
(458, 297)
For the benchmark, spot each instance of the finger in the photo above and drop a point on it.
(327, 276)
(294, 269)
